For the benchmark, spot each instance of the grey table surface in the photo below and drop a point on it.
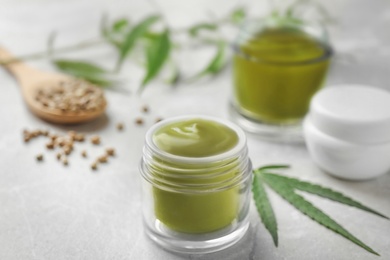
(52, 212)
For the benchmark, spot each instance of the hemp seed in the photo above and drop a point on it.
(110, 151)
(120, 126)
(95, 140)
(27, 139)
(84, 154)
(72, 135)
(67, 150)
(53, 137)
(139, 121)
(79, 138)
(102, 159)
(50, 145)
(39, 157)
(94, 166)
(145, 109)
(65, 161)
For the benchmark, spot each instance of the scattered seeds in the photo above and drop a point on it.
(95, 140)
(110, 151)
(139, 121)
(120, 126)
(67, 142)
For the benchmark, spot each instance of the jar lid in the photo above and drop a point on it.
(355, 113)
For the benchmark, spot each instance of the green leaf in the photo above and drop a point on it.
(264, 207)
(175, 76)
(287, 192)
(103, 26)
(151, 36)
(137, 32)
(110, 34)
(99, 81)
(85, 70)
(216, 64)
(322, 191)
(268, 167)
(194, 30)
(79, 66)
(120, 25)
(156, 55)
(238, 15)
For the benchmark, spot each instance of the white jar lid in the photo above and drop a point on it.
(355, 113)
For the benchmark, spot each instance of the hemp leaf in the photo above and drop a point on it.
(86, 71)
(285, 187)
(194, 30)
(175, 75)
(156, 55)
(264, 207)
(322, 192)
(120, 25)
(238, 15)
(133, 35)
(216, 64)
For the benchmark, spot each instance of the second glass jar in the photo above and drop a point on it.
(277, 68)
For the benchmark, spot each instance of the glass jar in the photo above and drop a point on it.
(195, 204)
(277, 67)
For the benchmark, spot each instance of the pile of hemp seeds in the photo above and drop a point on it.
(71, 96)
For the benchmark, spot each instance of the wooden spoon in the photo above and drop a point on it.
(31, 80)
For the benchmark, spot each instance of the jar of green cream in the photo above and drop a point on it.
(196, 178)
(278, 65)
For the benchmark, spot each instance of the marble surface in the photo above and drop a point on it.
(52, 212)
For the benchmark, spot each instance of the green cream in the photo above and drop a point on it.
(201, 211)
(276, 72)
(195, 138)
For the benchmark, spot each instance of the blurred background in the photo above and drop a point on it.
(52, 212)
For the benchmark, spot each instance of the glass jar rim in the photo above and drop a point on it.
(310, 29)
(233, 152)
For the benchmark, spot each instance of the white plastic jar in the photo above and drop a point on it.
(347, 131)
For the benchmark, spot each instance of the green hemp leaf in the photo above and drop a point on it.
(87, 71)
(157, 53)
(216, 64)
(286, 187)
(135, 34)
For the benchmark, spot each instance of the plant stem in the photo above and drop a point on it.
(44, 54)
